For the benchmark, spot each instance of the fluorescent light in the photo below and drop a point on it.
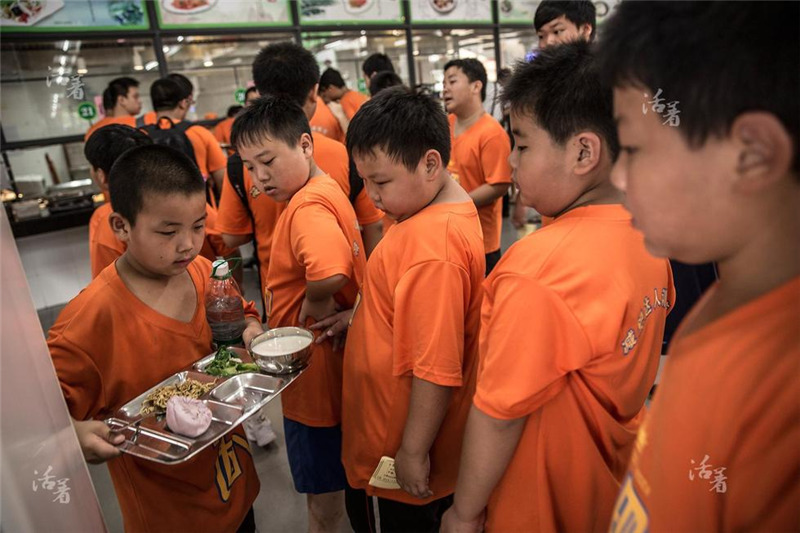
(151, 65)
(180, 38)
(82, 66)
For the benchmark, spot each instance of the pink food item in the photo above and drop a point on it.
(188, 417)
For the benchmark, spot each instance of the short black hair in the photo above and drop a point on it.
(402, 123)
(275, 117)
(153, 169)
(166, 94)
(106, 144)
(696, 53)
(383, 80)
(330, 77)
(285, 69)
(185, 84)
(116, 88)
(579, 12)
(232, 110)
(561, 90)
(376, 63)
(473, 69)
(248, 91)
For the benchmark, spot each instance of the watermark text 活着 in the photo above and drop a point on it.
(657, 105)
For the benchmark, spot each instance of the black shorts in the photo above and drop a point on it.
(370, 514)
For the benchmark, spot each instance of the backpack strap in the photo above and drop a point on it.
(236, 179)
(140, 122)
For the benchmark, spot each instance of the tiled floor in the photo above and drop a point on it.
(278, 507)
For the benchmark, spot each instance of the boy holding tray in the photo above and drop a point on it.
(137, 323)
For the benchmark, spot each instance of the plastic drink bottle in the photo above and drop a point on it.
(224, 307)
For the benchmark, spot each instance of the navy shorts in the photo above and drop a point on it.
(315, 457)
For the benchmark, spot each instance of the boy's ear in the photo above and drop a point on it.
(120, 226)
(307, 145)
(313, 93)
(765, 150)
(432, 160)
(101, 177)
(585, 152)
(585, 31)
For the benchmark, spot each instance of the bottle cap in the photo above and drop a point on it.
(219, 269)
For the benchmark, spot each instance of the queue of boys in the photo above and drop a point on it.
(510, 391)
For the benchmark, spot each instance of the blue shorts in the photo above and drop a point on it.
(315, 457)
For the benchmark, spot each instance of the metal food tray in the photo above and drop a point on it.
(232, 401)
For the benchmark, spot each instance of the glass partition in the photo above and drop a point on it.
(46, 86)
(217, 67)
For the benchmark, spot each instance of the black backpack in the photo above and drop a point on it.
(175, 136)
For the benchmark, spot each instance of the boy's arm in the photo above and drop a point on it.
(489, 444)
(319, 303)
(487, 193)
(494, 154)
(426, 410)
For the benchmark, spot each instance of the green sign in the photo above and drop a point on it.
(87, 111)
(73, 15)
(362, 86)
(239, 96)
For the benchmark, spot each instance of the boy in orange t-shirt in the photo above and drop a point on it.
(324, 121)
(710, 166)
(140, 321)
(479, 161)
(332, 88)
(411, 352)
(101, 150)
(287, 69)
(570, 343)
(316, 266)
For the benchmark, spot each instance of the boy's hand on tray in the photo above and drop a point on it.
(98, 442)
(251, 331)
(333, 327)
(412, 473)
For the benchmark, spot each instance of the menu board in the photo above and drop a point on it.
(523, 11)
(222, 13)
(450, 11)
(70, 15)
(350, 11)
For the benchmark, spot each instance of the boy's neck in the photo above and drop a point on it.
(601, 193)
(468, 116)
(172, 114)
(769, 258)
(449, 192)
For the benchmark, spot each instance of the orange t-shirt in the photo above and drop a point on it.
(233, 219)
(104, 247)
(222, 131)
(718, 450)
(213, 245)
(572, 344)
(479, 156)
(149, 118)
(326, 123)
(127, 120)
(351, 102)
(108, 347)
(418, 317)
(316, 237)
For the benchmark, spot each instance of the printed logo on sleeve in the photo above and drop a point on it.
(630, 515)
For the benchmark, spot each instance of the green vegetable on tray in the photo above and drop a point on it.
(226, 364)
